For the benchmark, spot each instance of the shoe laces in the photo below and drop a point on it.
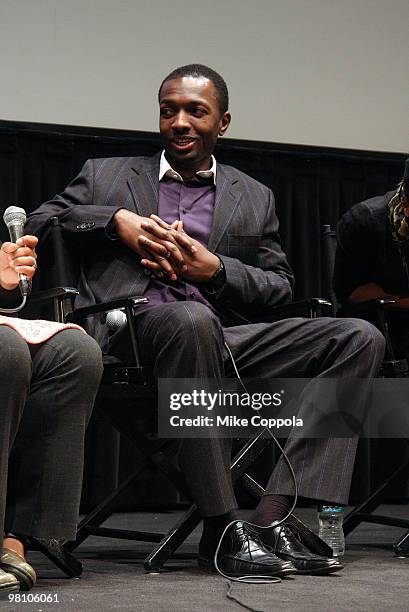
(251, 534)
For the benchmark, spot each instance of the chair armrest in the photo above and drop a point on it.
(376, 312)
(378, 304)
(61, 293)
(127, 304)
(305, 308)
(81, 313)
(62, 299)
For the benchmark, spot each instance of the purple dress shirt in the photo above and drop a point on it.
(193, 203)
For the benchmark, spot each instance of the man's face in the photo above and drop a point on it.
(190, 122)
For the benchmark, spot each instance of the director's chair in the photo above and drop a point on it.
(127, 394)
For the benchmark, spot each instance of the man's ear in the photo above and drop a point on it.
(224, 123)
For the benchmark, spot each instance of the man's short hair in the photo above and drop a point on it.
(201, 71)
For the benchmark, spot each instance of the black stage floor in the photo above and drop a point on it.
(373, 578)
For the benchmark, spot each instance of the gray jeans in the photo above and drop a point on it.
(46, 398)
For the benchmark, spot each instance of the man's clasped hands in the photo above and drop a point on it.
(166, 249)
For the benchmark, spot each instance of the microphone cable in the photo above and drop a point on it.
(17, 309)
(254, 579)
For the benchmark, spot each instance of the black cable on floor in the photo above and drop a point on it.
(229, 595)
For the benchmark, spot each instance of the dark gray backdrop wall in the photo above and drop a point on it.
(312, 186)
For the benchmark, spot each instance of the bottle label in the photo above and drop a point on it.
(332, 509)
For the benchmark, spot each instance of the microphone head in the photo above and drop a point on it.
(115, 319)
(13, 215)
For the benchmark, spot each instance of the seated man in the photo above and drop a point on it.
(200, 240)
(372, 257)
(49, 376)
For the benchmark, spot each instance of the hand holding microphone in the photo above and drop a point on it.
(18, 260)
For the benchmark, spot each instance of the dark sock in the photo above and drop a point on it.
(213, 527)
(271, 508)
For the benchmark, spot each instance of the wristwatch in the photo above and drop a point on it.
(218, 279)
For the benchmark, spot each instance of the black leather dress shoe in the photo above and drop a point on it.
(310, 540)
(287, 544)
(242, 553)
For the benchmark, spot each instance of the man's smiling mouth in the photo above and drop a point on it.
(183, 143)
(182, 140)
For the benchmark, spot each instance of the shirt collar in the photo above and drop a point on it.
(165, 169)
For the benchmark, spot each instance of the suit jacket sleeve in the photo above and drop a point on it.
(269, 282)
(86, 223)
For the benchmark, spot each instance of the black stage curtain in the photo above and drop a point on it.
(312, 186)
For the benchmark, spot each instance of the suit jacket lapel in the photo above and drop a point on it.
(144, 185)
(226, 201)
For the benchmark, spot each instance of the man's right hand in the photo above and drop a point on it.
(130, 232)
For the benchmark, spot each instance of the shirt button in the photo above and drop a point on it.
(184, 211)
(193, 295)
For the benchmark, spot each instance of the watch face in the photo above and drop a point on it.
(219, 271)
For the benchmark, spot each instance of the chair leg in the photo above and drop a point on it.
(58, 554)
(171, 542)
(97, 516)
(252, 487)
(358, 514)
(156, 456)
(401, 547)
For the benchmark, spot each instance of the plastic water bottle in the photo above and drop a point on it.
(330, 528)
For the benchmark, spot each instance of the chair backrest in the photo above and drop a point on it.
(329, 241)
(60, 273)
(59, 267)
(66, 265)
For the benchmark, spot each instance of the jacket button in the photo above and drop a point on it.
(147, 272)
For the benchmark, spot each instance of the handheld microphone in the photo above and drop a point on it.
(15, 218)
(115, 319)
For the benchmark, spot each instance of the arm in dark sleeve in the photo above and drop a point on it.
(269, 283)
(81, 218)
(10, 298)
(357, 252)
